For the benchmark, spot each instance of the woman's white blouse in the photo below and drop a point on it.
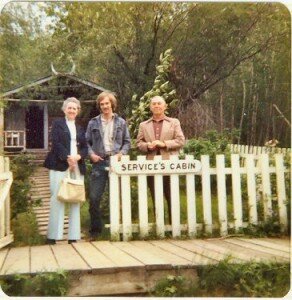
(73, 134)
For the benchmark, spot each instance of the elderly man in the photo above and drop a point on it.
(160, 135)
(107, 134)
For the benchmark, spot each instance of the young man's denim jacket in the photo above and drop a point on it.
(121, 136)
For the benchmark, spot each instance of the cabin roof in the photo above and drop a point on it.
(48, 78)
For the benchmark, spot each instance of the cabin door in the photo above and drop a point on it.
(34, 124)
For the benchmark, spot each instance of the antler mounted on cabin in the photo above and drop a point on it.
(72, 72)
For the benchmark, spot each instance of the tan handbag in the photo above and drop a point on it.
(71, 190)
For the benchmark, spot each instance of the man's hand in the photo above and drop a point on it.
(150, 146)
(119, 156)
(95, 158)
(156, 144)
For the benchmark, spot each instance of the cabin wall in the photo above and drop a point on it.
(14, 118)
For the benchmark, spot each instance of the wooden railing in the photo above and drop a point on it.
(6, 236)
(14, 139)
(249, 201)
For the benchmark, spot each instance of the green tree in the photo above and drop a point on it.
(161, 87)
(231, 60)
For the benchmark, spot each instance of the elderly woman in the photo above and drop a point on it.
(68, 151)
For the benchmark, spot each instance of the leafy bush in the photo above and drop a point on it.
(21, 168)
(212, 144)
(252, 279)
(25, 230)
(43, 284)
(174, 286)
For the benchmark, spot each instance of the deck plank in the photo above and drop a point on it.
(149, 259)
(253, 255)
(199, 248)
(283, 250)
(68, 259)
(163, 254)
(42, 259)
(235, 250)
(17, 261)
(93, 257)
(194, 258)
(280, 241)
(116, 255)
(3, 254)
(263, 251)
(212, 245)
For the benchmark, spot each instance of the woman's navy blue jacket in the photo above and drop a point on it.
(60, 149)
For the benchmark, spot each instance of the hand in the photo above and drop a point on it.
(72, 168)
(158, 144)
(73, 158)
(150, 146)
(72, 162)
(119, 156)
(95, 158)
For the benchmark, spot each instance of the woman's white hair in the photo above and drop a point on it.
(71, 99)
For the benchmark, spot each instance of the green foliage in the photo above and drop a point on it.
(43, 284)
(252, 279)
(161, 87)
(211, 144)
(174, 286)
(21, 168)
(227, 60)
(25, 230)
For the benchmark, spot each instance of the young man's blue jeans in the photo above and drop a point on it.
(98, 181)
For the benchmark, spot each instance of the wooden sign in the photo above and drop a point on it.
(158, 166)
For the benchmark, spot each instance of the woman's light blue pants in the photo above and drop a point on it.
(57, 211)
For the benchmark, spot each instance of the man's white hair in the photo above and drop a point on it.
(158, 98)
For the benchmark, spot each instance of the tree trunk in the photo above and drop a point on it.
(221, 108)
(242, 110)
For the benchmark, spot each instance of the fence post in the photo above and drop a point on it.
(206, 193)
(281, 192)
(236, 191)
(114, 202)
(1, 130)
(143, 201)
(191, 202)
(251, 189)
(266, 185)
(159, 205)
(7, 202)
(126, 203)
(175, 202)
(221, 191)
(2, 207)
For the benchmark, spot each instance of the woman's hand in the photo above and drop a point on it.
(72, 161)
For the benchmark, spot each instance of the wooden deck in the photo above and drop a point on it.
(134, 267)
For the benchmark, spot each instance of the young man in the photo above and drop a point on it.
(160, 135)
(107, 134)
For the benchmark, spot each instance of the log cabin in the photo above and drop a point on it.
(30, 110)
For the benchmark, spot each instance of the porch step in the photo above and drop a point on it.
(40, 191)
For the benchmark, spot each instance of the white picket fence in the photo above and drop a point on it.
(6, 236)
(257, 192)
(249, 149)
